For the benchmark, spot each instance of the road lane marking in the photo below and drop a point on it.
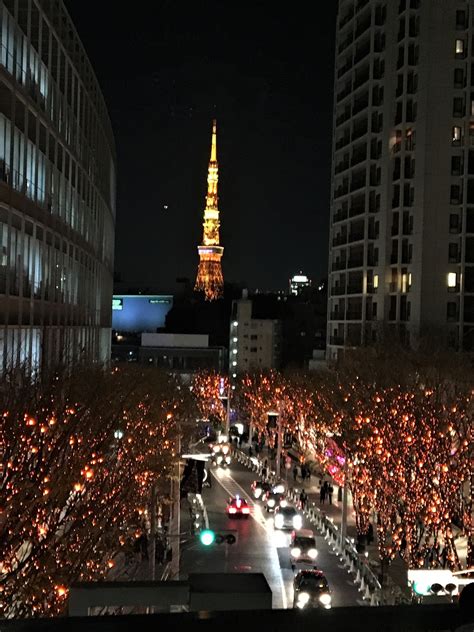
(260, 522)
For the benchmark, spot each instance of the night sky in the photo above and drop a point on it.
(166, 69)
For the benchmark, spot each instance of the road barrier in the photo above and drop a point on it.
(369, 584)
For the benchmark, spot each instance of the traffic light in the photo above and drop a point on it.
(208, 537)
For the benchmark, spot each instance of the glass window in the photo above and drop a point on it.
(459, 48)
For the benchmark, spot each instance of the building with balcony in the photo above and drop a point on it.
(57, 192)
(402, 206)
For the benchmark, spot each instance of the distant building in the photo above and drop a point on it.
(254, 342)
(181, 354)
(298, 282)
(139, 313)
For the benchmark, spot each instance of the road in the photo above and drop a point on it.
(259, 548)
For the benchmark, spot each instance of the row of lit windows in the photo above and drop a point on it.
(60, 186)
(30, 69)
(35, 263)
(81, 130)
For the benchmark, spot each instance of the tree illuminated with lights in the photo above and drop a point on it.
(80, 454)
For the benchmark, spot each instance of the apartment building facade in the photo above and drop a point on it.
(402, 205)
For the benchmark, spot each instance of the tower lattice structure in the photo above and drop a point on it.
(209, 275)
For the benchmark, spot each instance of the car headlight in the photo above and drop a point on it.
(278, 489)
(303, 599)
(279, 522)
(225, 449)
(325, 599)
(271, 502)
(283, 503)
(297, 522)
(295, 552)
(312, 553)
(257, 492)
(219, 459)
(227, 459)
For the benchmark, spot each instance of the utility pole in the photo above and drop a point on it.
(345, 498)
(278, 454)
(227, 412)
(152, 561)
(175, 522)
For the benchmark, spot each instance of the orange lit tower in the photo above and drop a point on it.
(209, 276)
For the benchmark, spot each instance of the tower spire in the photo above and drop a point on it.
(209, 276)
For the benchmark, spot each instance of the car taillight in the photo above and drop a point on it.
(245, 510)
(232, 510)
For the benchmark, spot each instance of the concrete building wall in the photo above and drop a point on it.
(254, 342)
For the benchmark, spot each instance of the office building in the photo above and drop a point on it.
(254, 343)
(57, 192)
(402, 210)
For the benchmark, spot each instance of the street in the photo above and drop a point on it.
(259, 548)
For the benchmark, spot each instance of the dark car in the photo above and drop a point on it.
(311, 590)
(259, 489)
(271, 500)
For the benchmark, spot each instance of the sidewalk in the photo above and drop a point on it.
(397, 571)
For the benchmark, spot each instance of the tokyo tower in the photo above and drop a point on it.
(209, 275)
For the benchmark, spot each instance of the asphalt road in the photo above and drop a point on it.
(259, 548)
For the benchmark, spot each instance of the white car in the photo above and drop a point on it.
(287, 518)
(303, 548)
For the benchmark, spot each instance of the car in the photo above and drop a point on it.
(271, 500)
(259, 488)
(237, 507)
(302, 547)
(311, 590)
(287, 518)
(220, 455)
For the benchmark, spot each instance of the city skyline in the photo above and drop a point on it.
(164, 79)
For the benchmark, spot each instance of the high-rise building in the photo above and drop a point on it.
(402, 210)
(57, 192)
(209, 276)
(298, 282)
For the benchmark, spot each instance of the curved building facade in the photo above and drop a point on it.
(57, 192)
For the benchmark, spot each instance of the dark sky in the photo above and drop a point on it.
(165, 68)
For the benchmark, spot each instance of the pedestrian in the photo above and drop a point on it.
(322, 495)
(295, 473)
(308, 474)
(250, 450)
(330, 493)
(303, 499)
(264, 473)
(370, 534)
(143, 540)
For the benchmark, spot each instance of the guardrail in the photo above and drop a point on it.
(365, 578)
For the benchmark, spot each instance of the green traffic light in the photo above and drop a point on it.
(207, 537)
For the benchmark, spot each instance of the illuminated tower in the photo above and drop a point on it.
(209, 276)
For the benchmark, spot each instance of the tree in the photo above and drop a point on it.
(80, 454)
